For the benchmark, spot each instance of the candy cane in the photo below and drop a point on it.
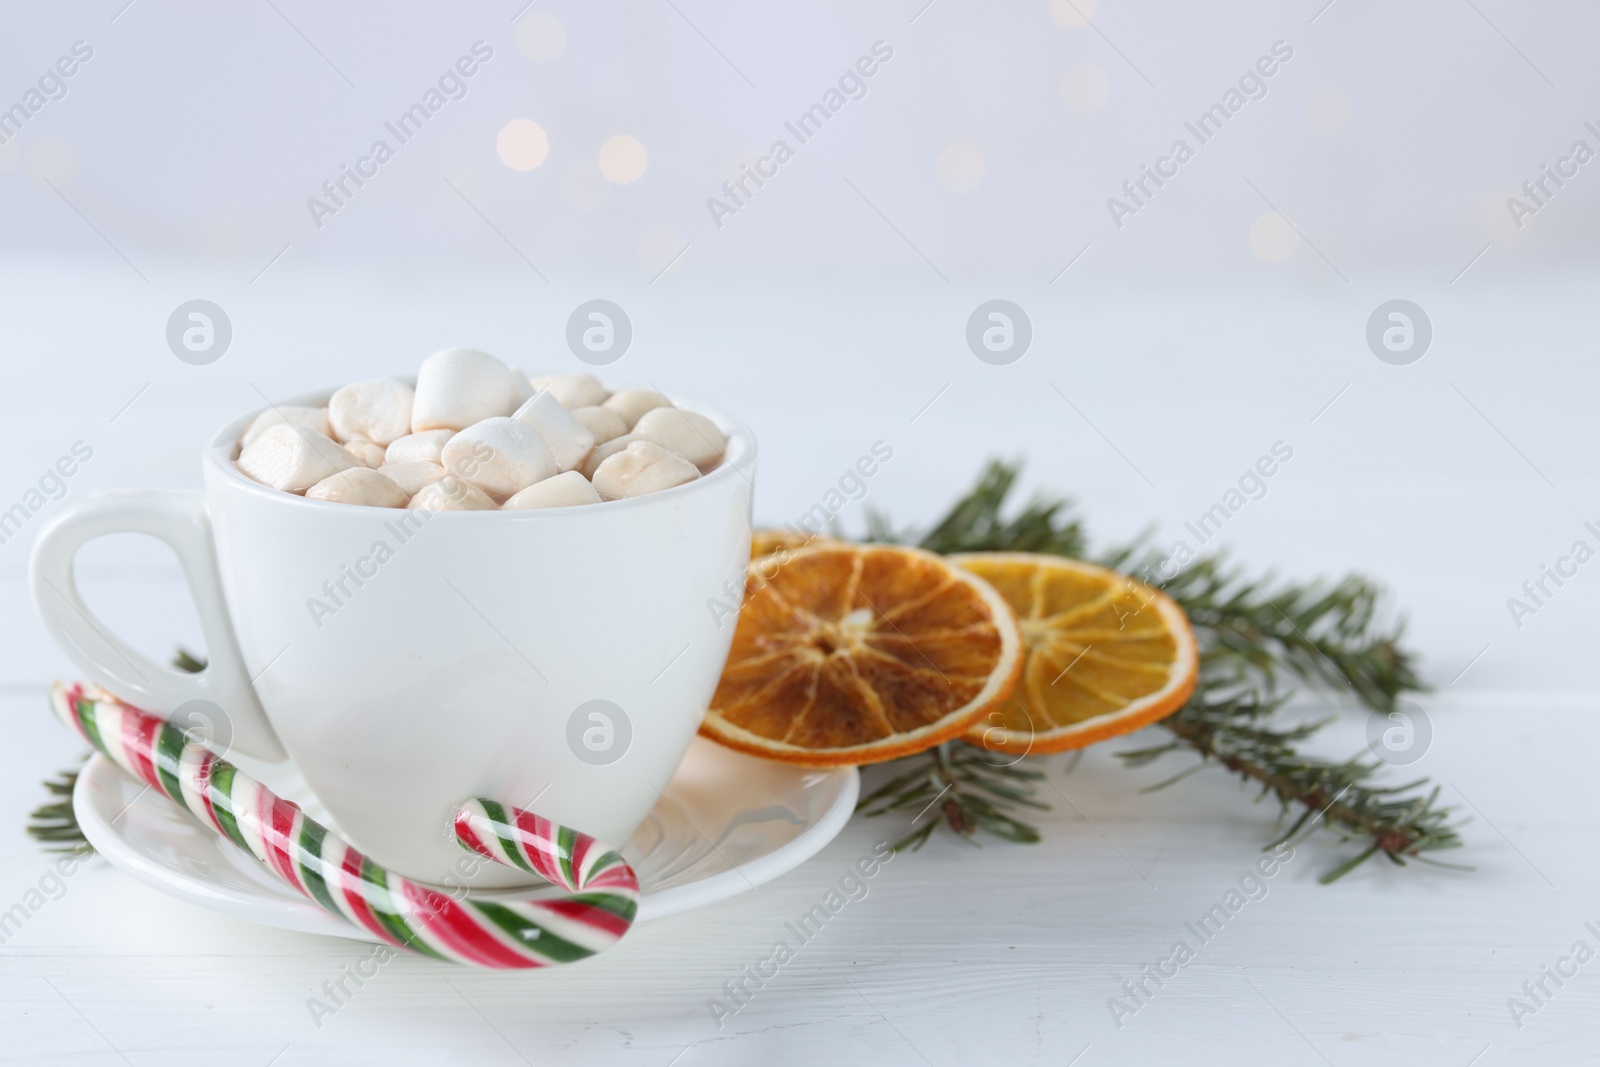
(602, 891)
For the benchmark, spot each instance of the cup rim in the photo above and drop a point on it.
(218, 455)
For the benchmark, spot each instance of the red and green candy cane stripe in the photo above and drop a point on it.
(601, 891)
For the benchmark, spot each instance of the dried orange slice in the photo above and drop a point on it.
(766, 542)
(1105, 654)
(862, 653)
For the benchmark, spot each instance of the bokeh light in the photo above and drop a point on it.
(960, 168)
(1496, 223)
(522, 144)
(623, 159)
(735, 162)
(1085, 87)
(541, 37)
(1328, 111)
(1074, 14)
(1272, 238)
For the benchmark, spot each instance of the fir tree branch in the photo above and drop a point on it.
(1255, 636)
(55, 823)
(1235, 731)
(184, 660)
(975, 524)
(1317, 632)
(972, 790)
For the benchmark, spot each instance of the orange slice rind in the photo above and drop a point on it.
(852, 654)
(765, 542)
(1105, 654)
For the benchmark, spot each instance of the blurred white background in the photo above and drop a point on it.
(991, 139)
(1227, 314)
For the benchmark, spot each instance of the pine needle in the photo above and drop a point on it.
(55, 824)
(1256, 636)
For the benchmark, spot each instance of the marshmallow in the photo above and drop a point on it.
(378, 409)
(573, 390)
(633, 403)
(500, 456)
(642, 468)
(415, 446)
(568, 440)
(369, 454)
(475, 434)
(522, 389)
(451, 494)
(562, 491)
(605, 452)
(457, 387)
(606, 425)
(694, 437)
(359, 485)
(313, 419)
(412, 476)
(293, 459)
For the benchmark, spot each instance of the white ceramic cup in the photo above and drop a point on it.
(462, 658)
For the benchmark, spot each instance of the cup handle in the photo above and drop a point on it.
(181, 521)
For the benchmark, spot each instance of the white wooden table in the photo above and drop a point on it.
(1453, 480)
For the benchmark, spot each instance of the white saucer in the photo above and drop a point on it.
(727, 823)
